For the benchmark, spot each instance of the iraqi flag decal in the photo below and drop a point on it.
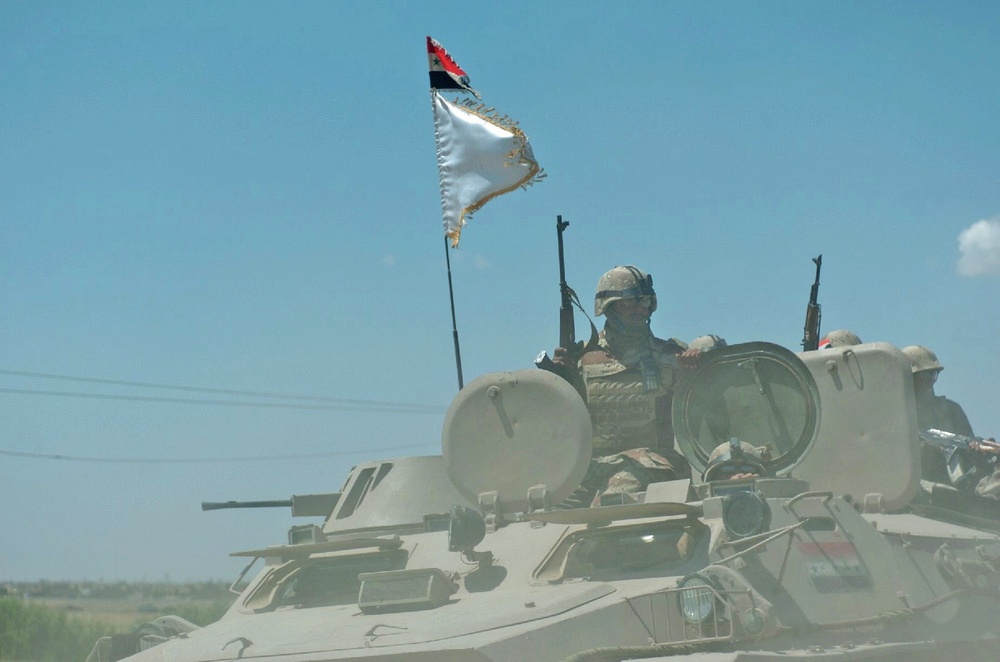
(834, 566)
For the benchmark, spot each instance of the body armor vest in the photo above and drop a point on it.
(624, 412)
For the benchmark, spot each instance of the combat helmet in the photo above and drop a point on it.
(736, 457)
(839, 338)
(624, 282)
(707, 343)
(922, 359)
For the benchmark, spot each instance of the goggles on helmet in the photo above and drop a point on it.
(642, 289)
(644, 301)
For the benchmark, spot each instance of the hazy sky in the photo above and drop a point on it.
(243, 196)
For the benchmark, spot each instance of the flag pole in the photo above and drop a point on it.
(480, 156)
(454, 324)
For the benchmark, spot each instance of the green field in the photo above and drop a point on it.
(64, 628)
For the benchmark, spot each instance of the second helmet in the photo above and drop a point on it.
(922, 359)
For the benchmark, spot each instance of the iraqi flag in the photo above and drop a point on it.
(445, 72)
(480, 156)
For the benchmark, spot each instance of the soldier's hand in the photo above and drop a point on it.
(689, 358)
(560, 356)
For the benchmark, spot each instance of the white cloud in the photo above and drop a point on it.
(980, 247)
(389, 259)
(482, 262)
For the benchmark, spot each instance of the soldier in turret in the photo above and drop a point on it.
(939, 413)
(933, 411)
(628, 384)
(737, 460)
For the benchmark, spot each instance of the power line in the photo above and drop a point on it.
(201, 389)
(347, 405)
(205, 460)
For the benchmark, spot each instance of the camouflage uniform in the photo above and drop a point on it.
(630, 413)
(989, 486)
(630, 409)
(627, 472)
(628, 385)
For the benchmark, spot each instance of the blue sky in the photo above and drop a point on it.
(243, 196)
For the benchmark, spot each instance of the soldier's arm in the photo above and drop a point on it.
(959, 421)
(690, 358)
(563, 365)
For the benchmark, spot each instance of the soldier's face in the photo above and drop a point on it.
(631, 311)
(924, 381)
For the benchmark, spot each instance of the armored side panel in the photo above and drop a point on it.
(867, 442)
(843, 419)
(394, 494)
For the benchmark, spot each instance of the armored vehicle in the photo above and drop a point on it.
(831, 548)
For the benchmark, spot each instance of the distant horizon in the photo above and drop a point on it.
(169, 582)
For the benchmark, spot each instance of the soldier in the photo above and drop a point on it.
(939, 413)
(628, 384)
(736, 460)
(933, 411)
(839, 338)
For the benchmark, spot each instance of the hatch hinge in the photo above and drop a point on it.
(539, 498)
(873, 503)
(489, 506)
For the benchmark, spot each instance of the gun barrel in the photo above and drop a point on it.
(560, 227)
(277, 503)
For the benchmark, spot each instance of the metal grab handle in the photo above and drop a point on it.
(751, 365)
(826, 496)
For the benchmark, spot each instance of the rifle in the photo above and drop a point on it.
(810, 335)
(967, 459)
(567, 324)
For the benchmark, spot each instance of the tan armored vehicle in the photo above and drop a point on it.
(835, 550)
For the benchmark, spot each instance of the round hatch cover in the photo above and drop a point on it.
(758, 392)
(509, 431)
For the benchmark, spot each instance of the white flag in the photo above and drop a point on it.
(480, 156)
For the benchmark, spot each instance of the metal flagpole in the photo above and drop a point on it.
(454, 325)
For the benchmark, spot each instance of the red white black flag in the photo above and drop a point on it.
(445, 72)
